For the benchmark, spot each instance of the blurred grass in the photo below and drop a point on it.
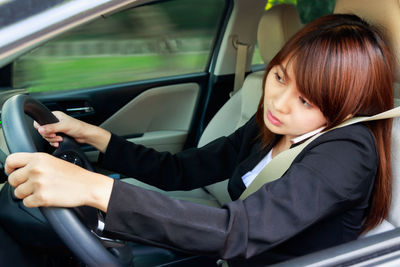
(64, 73)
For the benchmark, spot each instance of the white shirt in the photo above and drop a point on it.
(251, 175)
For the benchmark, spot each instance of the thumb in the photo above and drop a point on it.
(36, 125)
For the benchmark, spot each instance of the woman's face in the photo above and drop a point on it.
(286, 111)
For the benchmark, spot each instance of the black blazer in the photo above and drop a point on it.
(320, 201)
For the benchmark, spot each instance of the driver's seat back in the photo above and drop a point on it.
(236, 112)
(276, 26)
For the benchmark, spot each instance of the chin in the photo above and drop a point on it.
(272, 128)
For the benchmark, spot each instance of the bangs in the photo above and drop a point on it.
(312, 67)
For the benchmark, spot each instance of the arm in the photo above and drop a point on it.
(43, 180)
(188, 169)
(312, 190)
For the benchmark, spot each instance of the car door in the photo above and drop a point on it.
(141, 73)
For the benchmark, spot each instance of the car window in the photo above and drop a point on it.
(308, 11)
(151, 41)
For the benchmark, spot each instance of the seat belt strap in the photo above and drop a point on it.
(281, 162)
(241, 63)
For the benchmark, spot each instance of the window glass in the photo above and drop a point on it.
(308, 11)
(168, 38)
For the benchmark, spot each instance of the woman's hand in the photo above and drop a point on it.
(68, 125)
(81, 131)
(40, 179)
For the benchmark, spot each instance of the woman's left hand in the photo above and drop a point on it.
(44, 180)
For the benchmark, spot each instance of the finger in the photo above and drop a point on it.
(36, 199)
(49, 136)
(16, 161)
(55, 139)
(18, 177)
(48, 130)
(54, 144)
(31, 201)
(23, 190)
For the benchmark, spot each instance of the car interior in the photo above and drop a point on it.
(243, 104)
(178, 112)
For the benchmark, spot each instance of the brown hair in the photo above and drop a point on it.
(343, 66)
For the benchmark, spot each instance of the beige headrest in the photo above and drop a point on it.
(276, 26)
(385, 14)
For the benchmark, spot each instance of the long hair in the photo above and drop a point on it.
(344, 67)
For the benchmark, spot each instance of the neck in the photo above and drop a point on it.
(282, 145)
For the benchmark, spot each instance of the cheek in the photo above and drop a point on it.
(317, 120)
(265, 99)
(309, 121)
(265, 105)
(320, 118)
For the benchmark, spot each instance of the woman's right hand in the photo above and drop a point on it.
(67, 124)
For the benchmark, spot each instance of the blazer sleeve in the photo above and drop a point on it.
(331, 178)
(189, 169)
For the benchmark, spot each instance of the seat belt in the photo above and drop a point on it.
(241, 63)
(281, 162)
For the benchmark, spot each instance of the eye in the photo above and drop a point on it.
(279, 78)
(304, 102)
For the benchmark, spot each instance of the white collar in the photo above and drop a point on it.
(306, 135)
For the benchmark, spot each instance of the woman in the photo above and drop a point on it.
(335, 68)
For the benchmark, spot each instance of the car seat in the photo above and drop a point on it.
(276, 26)
(385, 15)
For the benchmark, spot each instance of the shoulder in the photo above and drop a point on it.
(348, 154)
(356, 139)
(356, 132)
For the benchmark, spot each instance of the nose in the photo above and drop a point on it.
(281, 102)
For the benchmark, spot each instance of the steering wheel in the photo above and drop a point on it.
(85, 244)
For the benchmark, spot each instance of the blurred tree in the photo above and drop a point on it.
(312, 9)
(308, 9)
(148, 20)
(272, 3)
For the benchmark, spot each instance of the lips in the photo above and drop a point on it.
(273, 120)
